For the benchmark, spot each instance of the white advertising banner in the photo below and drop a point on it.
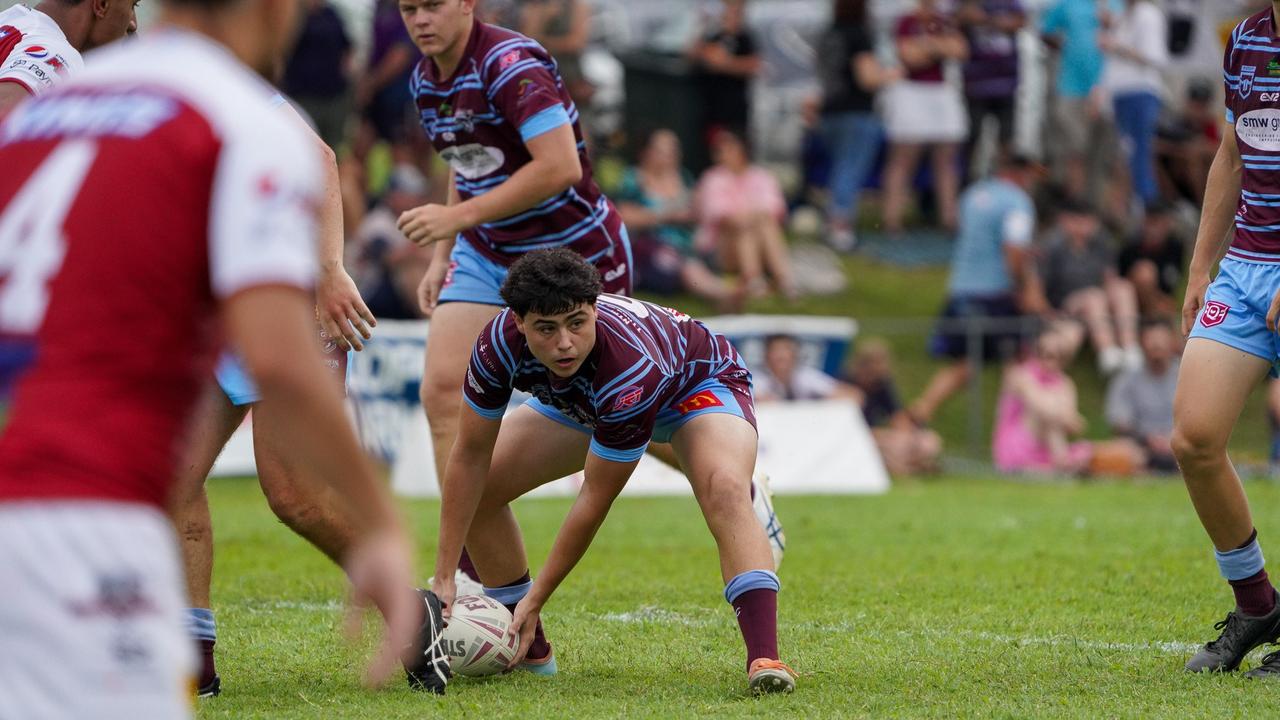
(822, 447)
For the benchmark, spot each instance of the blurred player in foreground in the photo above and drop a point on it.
(308, 508)
(161, 196)
(608, 374)
(40, 45)
(1233, 344)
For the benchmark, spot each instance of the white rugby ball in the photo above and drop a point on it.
(476, 638)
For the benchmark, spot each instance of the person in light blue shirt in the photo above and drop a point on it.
(1082, 132)
(989, 275)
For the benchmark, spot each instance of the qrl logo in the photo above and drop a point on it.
(1214, 313)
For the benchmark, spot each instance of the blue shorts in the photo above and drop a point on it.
(710, 397)
(1236, 304)
(474, 278)
(240, 388)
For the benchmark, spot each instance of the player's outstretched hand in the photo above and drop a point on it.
(1273, 314)
(431, 223)
(342, 311)
(431, 285)
(446, 589)
(380, 569)
(523, 626)
(1196, 289)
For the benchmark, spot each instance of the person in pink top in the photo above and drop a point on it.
(1037, 415)
(740, 209)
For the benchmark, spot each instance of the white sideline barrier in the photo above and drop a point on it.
(805, 447)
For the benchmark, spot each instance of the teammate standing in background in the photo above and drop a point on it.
(210, 196)
(1233, 343)
(494, 107)
(608, 374)
(40, 45)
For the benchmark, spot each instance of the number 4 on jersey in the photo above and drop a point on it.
(32, 243)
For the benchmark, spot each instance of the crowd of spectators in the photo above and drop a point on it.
(1069, 223)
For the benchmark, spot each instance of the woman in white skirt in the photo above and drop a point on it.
(924, 112)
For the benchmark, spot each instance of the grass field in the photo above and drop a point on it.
(947, 599)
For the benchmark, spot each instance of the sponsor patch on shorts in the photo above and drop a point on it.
(698, 401)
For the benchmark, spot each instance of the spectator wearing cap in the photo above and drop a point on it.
(1153, 262)
(1137, 51)
(1078, 270)
(991, 285)
(991, 73)
(1139, 401)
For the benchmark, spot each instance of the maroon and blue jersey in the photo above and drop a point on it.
(651, 369)
(1251, 70)
(505, 92)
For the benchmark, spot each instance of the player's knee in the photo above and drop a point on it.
(1195, 445)
(440, 398)
(722, 493)
(290, 505)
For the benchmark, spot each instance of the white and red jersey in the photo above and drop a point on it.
(134, 198)
(34, 52)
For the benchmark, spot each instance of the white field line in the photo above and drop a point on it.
(658, 616)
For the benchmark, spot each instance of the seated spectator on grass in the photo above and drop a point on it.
(386, 266)
(1140, 402)
(992, 283)
(1037, 417)
(784, 377)
(1153, 260)
(1078, 270)
(905, 448)
(656, 203)
(740, 210)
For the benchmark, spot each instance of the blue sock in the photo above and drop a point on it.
(751, 580)
(1243, 562)
(511, 595)
(201, 625)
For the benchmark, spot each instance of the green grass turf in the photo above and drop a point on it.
(900, 304)
(949, 599)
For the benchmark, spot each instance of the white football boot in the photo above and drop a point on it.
(762, 503)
